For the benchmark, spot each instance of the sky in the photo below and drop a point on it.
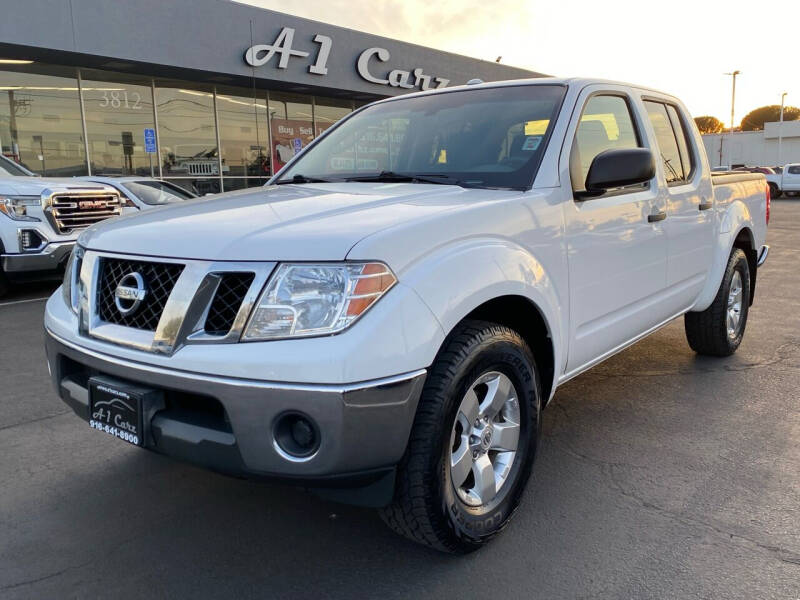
(682, 47)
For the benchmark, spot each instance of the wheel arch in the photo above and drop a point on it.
(523, 316)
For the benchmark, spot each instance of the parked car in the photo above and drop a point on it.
(786, 182)
(145, 192)
(385, 321)
(41, 219)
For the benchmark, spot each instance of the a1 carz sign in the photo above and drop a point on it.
(261, 54)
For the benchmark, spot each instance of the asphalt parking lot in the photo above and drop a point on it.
(661, 475)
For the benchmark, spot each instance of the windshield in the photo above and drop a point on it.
(9, 167)
(157, 192)
(490, 137)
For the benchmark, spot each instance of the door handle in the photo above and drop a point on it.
(654, 218)
(705, 205)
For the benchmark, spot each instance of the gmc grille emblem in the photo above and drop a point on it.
(89, 204)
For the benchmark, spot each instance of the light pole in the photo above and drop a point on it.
(733, 95)
(780, 129)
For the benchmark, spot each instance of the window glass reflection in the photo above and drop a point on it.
(188, 136)
(328, 110)
(40, 120)
(243, 135)
(117, 113)
(292, 126)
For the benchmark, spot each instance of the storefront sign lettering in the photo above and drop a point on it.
(261, 54)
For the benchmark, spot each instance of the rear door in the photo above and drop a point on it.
(616, 256)
(689, 200)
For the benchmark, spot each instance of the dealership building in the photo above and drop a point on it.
(211, 94)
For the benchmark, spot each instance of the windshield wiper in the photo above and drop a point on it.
(391, 176)
(302, 179)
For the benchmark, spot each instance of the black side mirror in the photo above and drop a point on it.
(618, 168)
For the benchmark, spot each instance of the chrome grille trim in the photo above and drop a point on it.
(68, 210)
(184, 316)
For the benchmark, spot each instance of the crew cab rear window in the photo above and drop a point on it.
(606, 124)
(794, 170)
(671, 140)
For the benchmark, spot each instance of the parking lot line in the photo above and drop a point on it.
(23, 301)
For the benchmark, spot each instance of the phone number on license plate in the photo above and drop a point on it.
(123, 435)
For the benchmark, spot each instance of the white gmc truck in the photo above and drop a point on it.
(40, 219)
(385, 321)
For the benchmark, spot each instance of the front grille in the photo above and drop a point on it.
(159, 279)
(227, 301)
(70, 211)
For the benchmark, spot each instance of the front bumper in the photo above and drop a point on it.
(52, 257)
(226, 424)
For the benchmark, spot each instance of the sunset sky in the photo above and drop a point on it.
(683, 47)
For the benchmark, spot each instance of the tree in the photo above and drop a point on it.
(755, 119)
(708, 124)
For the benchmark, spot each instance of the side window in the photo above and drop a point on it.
(666, 141)
(606, 124)
(687, 158)
(794, 170)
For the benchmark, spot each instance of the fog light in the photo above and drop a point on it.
(296, 436)
(29, 240)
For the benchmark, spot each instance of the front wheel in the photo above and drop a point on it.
(473, 441)
(718, 330)
(4, 283)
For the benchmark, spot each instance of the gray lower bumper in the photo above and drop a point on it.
(53, 256)
(363, 427)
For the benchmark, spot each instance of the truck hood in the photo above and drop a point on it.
(287, 222)
(34, 186)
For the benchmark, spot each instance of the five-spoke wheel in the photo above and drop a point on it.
(484, 438)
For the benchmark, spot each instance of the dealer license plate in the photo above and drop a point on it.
(118, 408)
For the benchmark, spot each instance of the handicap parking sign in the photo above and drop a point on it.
(150, 140)
(298, 145)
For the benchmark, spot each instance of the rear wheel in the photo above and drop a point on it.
(718, 330)
(473, 441)
(774, 191)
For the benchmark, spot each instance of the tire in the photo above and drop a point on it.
(709, 332)
(774, 191)
(4, 284)
(430, 506)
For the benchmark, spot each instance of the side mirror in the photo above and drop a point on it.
(618, 168)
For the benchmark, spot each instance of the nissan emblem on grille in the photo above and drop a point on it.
(130, 292)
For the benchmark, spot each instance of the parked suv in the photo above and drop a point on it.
(385, 321)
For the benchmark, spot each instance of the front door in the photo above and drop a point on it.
(616, 242)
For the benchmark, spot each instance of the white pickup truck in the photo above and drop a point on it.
(786, 180)
(386, 320)
(41, 219)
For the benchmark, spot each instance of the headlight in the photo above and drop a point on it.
(72, 273)
(302, 300)
(16, 207)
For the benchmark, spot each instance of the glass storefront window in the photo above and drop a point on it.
(117, 112)
(328, 110)
(187, 134)
(244, 139)
(40, 119)
(292, 124)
